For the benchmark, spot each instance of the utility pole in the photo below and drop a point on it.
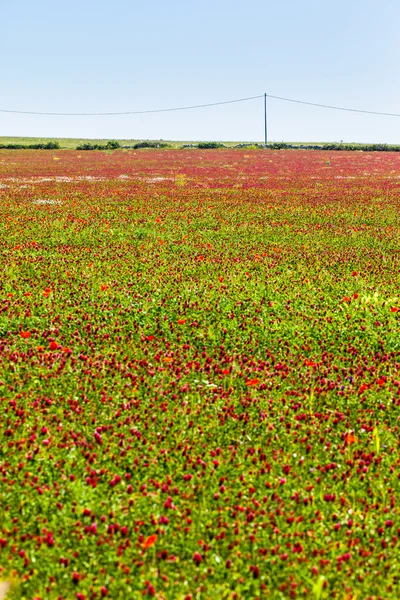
(265, 121)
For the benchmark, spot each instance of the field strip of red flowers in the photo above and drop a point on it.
(199, 375)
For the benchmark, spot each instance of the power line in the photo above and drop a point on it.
(129, 112)
(357, 110)
(161, 110)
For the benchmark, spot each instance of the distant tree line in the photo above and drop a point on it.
(336, 146)
(47, 146)
(115, 145)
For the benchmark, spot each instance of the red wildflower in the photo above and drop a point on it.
(197, 558)
(350, 438)
(150, 541)
(251, 382)
(25, 334)
(310, 363)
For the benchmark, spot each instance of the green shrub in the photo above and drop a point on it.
(148, 144)
(111, 145)
(335, 147)
(210, 145)
(89, 147)
(47, 146)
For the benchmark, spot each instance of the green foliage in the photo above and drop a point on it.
(335, 146)
(149, 144)
(111, 145)
(250, 146)
(209, 145)
(47, 146)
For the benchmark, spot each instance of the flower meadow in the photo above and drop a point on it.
(199, 374)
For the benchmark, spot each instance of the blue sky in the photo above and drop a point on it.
(96, 56)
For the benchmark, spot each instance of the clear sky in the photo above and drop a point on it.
(103, 55)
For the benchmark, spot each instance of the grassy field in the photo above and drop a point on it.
(200, 375)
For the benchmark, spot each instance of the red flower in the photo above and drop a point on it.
(150, 541)
(197, 558)
(53, 346)
(25, 334)
(310, 363)
(389, 523)
(350, 438)
(251, 382)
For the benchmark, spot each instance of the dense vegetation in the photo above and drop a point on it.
(41, 146)
(199, 374)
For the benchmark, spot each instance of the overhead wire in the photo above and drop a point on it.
(196, 106)
(357, 110)
(131, 112)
